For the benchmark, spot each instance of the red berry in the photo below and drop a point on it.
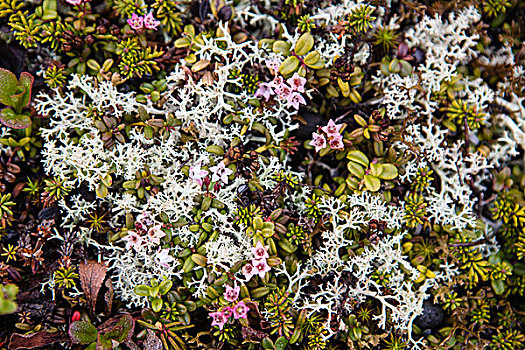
(75, 317)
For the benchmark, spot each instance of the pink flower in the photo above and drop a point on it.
(273, 65)
(155, 234)
(163, 258)
(197, 174)
(261, 267)
(240, 310)
(150, 22)
(277, 81)
(248, 270)
(133, 240)
(295, 99)
(136, 22)
(336, 142)
(332, 129)
(260, 251)
(264, 90)
(297, 82)
(74, 2)
(145, 219)
(218, 319)
(231, 294)
(318, 141)
(220, 172)
(284, 91)
(227, 311)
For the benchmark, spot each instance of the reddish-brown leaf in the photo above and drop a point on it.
(35, 340)
(92, 275)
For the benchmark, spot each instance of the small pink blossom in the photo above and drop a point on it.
(318, 141)
(336, 142)
(260, 251)
(332, 129)
(248, 270)
(240, 310)
(261, 267)
(74, 2)
(231, 294)
(136, 22)
(220, 172)
(150, 22)
(219, 319)
(297, 82)
(133, 240)
(197, 174)
(295, 99)
(227, 311)
(277, 81)
(155, 234)
(264, 90)
(273, 65)
(163, 258)
(145, 219)
(283, 91)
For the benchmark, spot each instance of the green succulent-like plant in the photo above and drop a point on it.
(367, 175)
(260, 229)
(8, 294)
(154, 292)
(300, 58)
(83, 332)
(16, 94)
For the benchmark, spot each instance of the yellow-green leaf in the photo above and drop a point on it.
(389, 172)
(289, 65)
(372, 183)
(304, 44)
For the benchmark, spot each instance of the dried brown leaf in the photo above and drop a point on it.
(108, 296)
(35, 340)
(92, 275)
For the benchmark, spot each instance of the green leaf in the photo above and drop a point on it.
(372, 183)
(498, 286)
(156, 304)
(102, 191)
(289, 65)
(142, 290)
(8, 86)
(50, 10)
(358, 157)
(123, 330)
(312, 58)
(281, 46)
(281, 343)
(9, 118)
(165, 286)
(389, 172)
(7, 306)
(356, 169)
(26, 80)
(376, 169)
(82, 332)
(304, 44)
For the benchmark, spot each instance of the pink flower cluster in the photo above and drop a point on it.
(139, 22)
(145, 231)
(259, 265)
(237, 310)
(219, 172)
(289, 90)
(332, 131)
(76, 2)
